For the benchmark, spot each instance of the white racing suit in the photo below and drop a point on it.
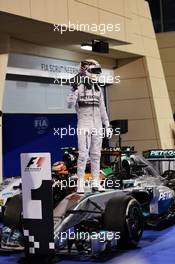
(91, 113)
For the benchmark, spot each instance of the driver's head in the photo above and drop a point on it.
(91, 69)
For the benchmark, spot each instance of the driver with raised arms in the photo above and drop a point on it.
(87, 97)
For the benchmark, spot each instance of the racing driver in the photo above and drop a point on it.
(87, 97)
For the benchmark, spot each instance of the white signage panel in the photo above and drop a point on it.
(35, 167)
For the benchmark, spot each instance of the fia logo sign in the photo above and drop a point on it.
(41, 124)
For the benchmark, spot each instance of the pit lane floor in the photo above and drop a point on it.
(156, 247)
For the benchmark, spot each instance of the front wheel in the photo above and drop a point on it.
(123, 214)
(12, 213)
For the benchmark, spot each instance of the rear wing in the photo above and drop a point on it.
(159, 154)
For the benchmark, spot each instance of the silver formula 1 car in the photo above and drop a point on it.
(96, 221)
(90, 223)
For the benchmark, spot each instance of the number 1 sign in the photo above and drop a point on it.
(37, 204)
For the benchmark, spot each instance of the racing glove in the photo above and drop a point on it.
(109, 132)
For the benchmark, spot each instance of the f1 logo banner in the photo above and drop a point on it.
(37, 203)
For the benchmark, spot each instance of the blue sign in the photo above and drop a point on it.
(25, 133)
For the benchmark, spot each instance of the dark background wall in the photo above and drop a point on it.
(163, 14)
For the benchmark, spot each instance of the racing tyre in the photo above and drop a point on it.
(123, 214)
(12, 213)
(169, 174)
